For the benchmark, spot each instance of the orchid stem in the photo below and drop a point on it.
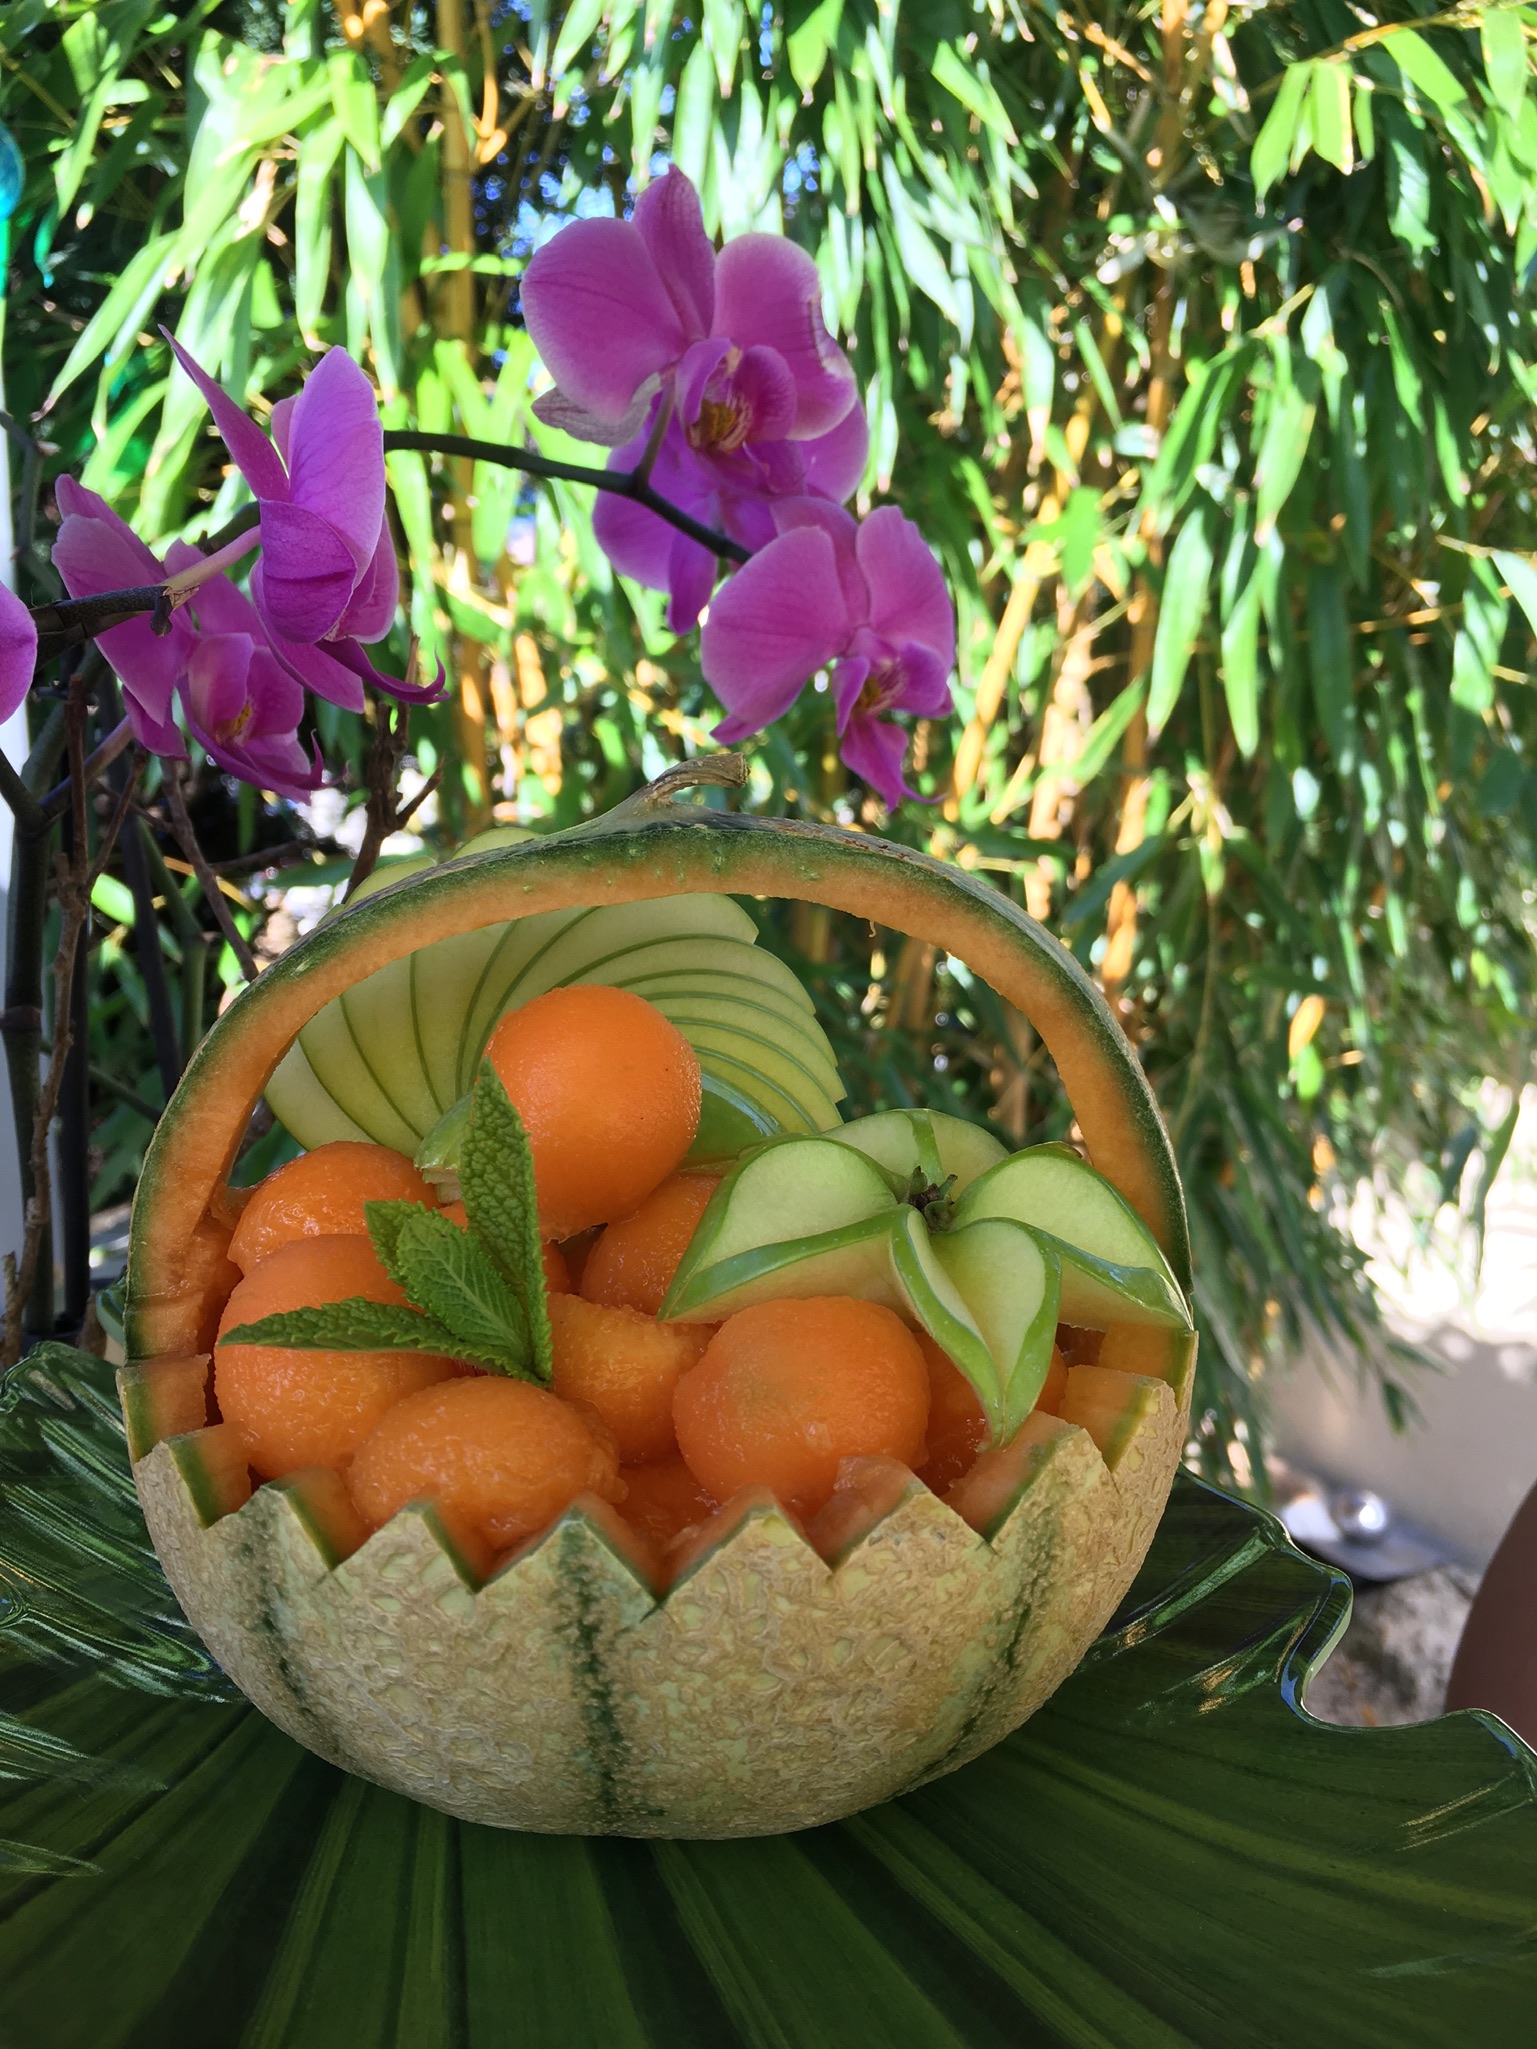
(187, 840)
(648, 455)
(631, 484)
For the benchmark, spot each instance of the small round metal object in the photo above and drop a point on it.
(1361, 1516)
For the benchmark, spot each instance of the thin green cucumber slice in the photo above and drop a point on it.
(1112, 1268)
(761, 1056)
(1012, 1285)
(930, 1142)
(799, 1039)
(381, 1018)
(334, 1054)
(304, 1106)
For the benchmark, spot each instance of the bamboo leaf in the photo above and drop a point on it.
(1506, 64)
(1329, 663)
(967, 81)
(1181, 614)
(1520, 572)
(1424, 69)
(1329, 112)
(1274, 145)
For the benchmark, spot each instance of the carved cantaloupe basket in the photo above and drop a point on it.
(769, 1689)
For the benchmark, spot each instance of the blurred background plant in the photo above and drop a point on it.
(1198, 339)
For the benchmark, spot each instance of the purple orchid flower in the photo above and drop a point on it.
(730, 490)
(243, 694)
(242, 699)
(95, 551)
(619, 310)
(18, 651)
(867, 597)
(329, 564)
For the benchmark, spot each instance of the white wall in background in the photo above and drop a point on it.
(1461, 1473)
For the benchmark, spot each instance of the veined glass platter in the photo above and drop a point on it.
(1171, 1853)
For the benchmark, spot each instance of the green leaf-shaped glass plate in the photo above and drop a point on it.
(1171, 1853)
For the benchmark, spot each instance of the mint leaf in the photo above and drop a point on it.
(355, 1325)
(386, 1221)
(452, 1276)
(496, 1172)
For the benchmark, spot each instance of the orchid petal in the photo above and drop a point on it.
(848, 680)
(216, 682)
(670, 223)
(159, 735)
(135, 563)
(909, 599)
(336, 465)
(875, 750)
(691, 578)
(18, 651)
(842, 529)
(351, 655)
(697, 366)
(638, 542)
(763, 384)
(253, 454)
(370, 611)
(308, 572)
(925, 687)
(599, 314)
(315, 668)
(835, 461)
(95, 551)
(767, 291)
(554, 409)
(773, 625)
(282, 425)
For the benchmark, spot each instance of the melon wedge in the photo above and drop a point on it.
(768, 1689)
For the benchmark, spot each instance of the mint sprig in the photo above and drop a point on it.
(354, 1325)
(451, 1275)
(475, 1294)
(496, 1173)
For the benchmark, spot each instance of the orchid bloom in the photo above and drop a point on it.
(620, 310)
(328, 570)
(18, 651)
(242, 699)
(729, 491)
(243, 692)
(869, 599)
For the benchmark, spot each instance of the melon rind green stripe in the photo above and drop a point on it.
(676, 850)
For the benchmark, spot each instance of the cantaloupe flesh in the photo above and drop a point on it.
(166, 1397)
(189, 1162)
(322, 1503)
(212, 1463)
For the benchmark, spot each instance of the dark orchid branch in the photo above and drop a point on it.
(29, 1280)
(632, 484)
(69, 622)
(187, 840)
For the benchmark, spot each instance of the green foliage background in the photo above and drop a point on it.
(1199, 341)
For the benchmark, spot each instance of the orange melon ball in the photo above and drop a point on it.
(957, 1422)
(625, 1366)
(557, 1275)
(499, 1458)
(786, 1390)
(300, 1408)
(1049, 1400)
(633, 1263)
(608, 1091)
(321, 1195)
(664, 1500)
